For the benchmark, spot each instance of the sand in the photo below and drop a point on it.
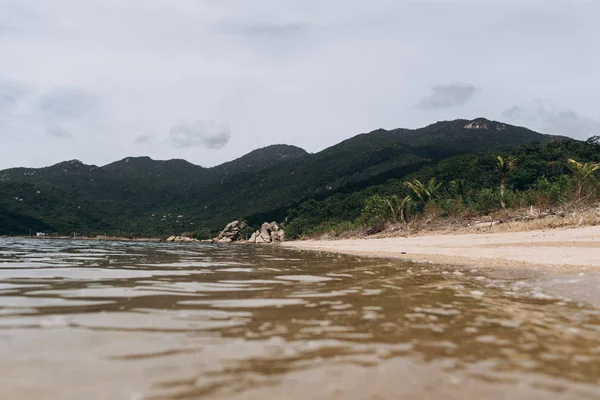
(574, 249)
(563, 263)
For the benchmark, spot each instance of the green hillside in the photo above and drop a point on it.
(468, 184)
(141, 196)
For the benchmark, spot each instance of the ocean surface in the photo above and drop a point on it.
(123, 320)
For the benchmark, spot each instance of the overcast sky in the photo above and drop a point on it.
(210, 80)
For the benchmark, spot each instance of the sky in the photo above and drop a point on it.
(210, 80)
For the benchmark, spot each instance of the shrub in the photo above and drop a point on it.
(487, 200)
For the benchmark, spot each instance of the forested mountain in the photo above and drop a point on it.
(141, 196)
(544, 175)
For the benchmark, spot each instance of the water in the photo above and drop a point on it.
(113, 320)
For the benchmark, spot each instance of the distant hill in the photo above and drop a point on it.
(141, 196)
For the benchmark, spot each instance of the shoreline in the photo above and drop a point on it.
(103, 238)
(562, 248)
(565, 262)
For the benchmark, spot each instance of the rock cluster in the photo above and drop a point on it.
(268, 233)
(231, 233)
(237, 231)
(179, 239)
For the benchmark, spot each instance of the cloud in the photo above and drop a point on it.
(145, 139)
(11, 93)
(445, 96)
(69, 103)
(312, 73)
(199, 134)
(258, 29)
(59, 132)
(553, 118)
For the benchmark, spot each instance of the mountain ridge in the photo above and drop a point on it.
(131, 194)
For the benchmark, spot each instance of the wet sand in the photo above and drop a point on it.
(566, 262)
(566, 249)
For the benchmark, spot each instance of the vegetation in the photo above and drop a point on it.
(359, 182)
(547, 175)
(504, 167)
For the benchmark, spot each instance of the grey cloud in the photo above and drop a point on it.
(554, 119)
(445, 96)
(59, 132)
(144, 139)
(6, 29)
(261, 29)
(310, 67)
(199, 134)
(11, 93)
(69, 103)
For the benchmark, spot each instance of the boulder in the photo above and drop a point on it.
(268, 233)
(280, 235)
(231, 225)
(265, 235)
(232, 231)
(171, 239)
(253, 237)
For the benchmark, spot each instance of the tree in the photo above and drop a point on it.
(582, 172)
(504, 166)
(425, 193)
(594, 140)
(398, 207)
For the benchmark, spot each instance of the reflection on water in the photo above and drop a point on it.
(163, 321)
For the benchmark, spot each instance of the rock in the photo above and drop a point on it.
(253, 237)
(180, 239)
(280, 235)
(231, 225)
(265, 235)
(233, 231)
(171, 239)
(477, 125)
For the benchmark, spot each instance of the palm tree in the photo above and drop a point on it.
(581, 173)
(398, 206)
(425, 193)
(504, 166)
(418, 188)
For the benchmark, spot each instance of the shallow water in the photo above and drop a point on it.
(114, 320)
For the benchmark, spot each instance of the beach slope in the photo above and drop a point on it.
(557, 248)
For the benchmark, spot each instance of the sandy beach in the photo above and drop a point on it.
(556, 248)
(564, 262)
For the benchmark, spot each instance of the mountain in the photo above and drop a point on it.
(138, 195)
(261, 159)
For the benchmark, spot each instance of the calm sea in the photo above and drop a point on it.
(122, 320)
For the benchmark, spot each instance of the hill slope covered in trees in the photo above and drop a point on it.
(141, 196)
